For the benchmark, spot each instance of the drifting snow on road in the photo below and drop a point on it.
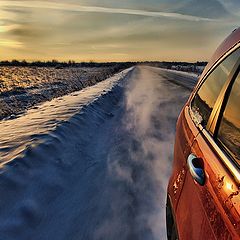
(140, 157)
(93, 164)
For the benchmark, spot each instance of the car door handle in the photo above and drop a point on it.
(195, 166)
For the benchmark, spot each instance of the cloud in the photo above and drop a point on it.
(10, 43)
(6, 28)
(42, 30)
(94, 9)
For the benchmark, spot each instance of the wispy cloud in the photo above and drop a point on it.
(61, 29)
(94, 9)
(10, 43)
(5, 28)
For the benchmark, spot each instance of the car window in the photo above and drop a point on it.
(208, 93)
(229, 131)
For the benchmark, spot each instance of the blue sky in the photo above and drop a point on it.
(110, 30)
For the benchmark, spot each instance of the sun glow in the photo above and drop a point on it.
(6, 28)
(10, 43)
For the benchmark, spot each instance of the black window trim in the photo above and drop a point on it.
(217, 113)
(221, 102)
(215, 65)
(226, 98)
(220, 116)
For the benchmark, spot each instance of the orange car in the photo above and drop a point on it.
(203, 200)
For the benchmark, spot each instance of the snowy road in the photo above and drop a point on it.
(97, 166)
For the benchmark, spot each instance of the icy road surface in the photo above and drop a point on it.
(93, 164)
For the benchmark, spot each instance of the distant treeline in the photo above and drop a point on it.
(57, 64)
(70, 63)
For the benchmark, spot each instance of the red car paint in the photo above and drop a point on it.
(211, 210)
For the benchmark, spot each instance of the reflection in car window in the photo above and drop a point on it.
(208, 93)
(229, 132)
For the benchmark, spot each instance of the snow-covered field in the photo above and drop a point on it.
(24, 87)
(93, 164)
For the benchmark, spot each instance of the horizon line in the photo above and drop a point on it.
(93, 61)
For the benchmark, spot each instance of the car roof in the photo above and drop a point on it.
(232, 40)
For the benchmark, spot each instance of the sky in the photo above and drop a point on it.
(114, 30)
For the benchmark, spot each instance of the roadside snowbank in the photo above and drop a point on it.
(186, 74)
(42, 155)
(183, 79)
(29, 130)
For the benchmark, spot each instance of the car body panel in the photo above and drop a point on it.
(211, 211)
(182, 148)
(219, 196)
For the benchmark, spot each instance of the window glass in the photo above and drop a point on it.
(229, 132)
(208, 93)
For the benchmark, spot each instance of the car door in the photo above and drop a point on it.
(205, 208)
